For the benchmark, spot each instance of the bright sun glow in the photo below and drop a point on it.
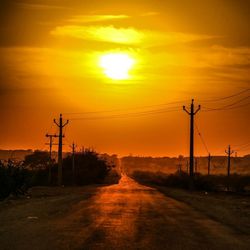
(116, 65)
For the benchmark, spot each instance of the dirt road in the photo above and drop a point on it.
(124, 216)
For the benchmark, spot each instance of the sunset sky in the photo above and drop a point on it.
(121, 71)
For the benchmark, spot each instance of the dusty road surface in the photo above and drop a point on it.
(123, 216)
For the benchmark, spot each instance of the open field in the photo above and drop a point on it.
(123, 216)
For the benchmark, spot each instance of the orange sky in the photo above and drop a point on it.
(50, 64)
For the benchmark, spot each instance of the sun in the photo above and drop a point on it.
(117, 65)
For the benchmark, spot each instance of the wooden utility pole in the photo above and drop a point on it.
(229, 152)
(179, 168)
(50, 153)
(192, 113)
(208, 164)
(73, 163)
(60, 125)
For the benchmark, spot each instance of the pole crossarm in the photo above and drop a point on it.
(50, 135)
(199, 107)
(184, 108)
(65, 123)
(56, 123)
(229, 152)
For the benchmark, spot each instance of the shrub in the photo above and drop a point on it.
(89, 168)
(13, 180)
(237, 183)
(37, 160)
(234, 183)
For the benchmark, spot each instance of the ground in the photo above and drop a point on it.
(127, 216)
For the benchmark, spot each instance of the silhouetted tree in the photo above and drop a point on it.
(37, 160)
(14, 179)
(89, 168)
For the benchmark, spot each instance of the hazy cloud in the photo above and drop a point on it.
(95, 18)
(34, 6)
(130, 36)
(151, 13)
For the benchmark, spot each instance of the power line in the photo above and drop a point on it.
(50, 128)
(167, 108)
(157, 111)
(229, 106)
(226, 97)
(246, 146)
(128, 115)
(128, 109)
(202, 139)
(242, 144)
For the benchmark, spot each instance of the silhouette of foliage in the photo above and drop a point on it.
(13, 180)
(234, 183)
(37, 160)
(89, 168)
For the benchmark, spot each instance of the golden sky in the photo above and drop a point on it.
(127, 69)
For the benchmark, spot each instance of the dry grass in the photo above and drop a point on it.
(232, 210)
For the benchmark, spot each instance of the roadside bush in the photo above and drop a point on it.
(234, 183)
(13, 180)
(89, 168)
(39, 177)
(205, 183)
(37, 160)
(178, 180)
(149, 177)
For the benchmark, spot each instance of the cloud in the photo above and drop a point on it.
(151, 13)
(95, 18)
(205, 57)
(100, 33)
(131, 36)
(222, 56)
(32, 6)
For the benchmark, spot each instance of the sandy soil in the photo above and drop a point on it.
(123, 216)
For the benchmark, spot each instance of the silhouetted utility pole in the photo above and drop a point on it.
(179, 168)
(229, 152)
(50, 153)
(208, 164)
(73, 163)
(192, 113)
(60, 125)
